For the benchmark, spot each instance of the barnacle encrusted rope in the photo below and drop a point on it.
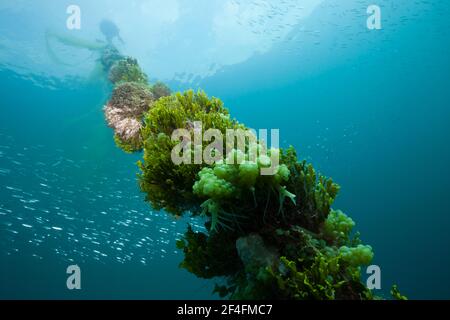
(270, 237)
(131, 98)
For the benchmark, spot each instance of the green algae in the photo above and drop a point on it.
(127, 70)
(268, 237)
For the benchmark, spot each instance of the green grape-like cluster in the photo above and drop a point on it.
(338, 226)
(211, 186)
(231, 180)
(357, 256)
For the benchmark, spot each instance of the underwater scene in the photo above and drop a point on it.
(225, 149)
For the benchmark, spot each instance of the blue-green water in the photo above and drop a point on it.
(369, 108)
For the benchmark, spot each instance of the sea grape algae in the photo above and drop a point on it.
(270, 236)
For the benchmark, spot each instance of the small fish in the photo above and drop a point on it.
(56, 163)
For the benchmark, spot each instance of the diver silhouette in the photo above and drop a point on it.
(110, 31)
